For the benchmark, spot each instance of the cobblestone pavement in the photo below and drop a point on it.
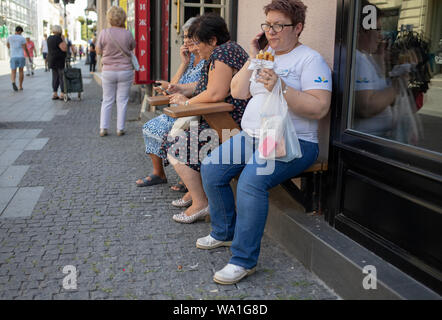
(121, 239)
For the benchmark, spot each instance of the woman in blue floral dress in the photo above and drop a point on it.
(223, 59)
(187, 76)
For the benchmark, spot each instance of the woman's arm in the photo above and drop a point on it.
(63, 47)
(185, 89)
(369, 103)
(181, 69)
(185, 60)
(311, 104)
(240, 85)
(218, 86)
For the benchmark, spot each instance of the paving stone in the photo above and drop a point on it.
(6, 195)
(19, 144)
(8, 157)
(23, 203)
(37, 144)
(12, 176)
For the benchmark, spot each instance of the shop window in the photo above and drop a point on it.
(397, 78)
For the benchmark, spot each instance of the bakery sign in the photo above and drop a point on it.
(142, 38)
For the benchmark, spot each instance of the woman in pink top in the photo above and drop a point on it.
(115, 45)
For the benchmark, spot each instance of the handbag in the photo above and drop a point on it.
(132, 56)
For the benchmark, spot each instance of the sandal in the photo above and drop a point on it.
(179, 187)
(154, 180)
(55, 98)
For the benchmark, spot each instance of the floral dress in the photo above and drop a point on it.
(233, 55)
(155, 129)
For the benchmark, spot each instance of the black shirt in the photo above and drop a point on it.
(56, 57)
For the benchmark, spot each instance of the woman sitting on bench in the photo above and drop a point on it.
(223, 59)
(306, 82)
(188, 74)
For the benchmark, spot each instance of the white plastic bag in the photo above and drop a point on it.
(278, 139)
(407, 127)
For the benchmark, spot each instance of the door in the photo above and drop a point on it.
(182, 10)
(386, 146)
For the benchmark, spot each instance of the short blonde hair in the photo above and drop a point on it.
(116, 16)
(57, 29)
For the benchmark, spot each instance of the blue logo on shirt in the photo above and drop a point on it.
(321, 80)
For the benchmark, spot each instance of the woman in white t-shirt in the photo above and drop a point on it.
(307, 89)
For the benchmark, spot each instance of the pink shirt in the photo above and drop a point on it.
(112, 57)
(30, 46)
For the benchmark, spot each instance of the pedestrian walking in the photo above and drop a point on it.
(92, 58)
(56, 60)
(80, 51)
(69, 46)
(17, 44)
(74, 52)
(115, 45)
(29, 56)
(44, 51)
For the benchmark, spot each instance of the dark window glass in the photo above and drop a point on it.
(397, 76)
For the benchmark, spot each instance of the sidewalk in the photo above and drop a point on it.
(68, 197)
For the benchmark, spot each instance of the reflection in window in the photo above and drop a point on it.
(397, 72)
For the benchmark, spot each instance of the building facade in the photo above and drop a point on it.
(382, 138)
(14, 13)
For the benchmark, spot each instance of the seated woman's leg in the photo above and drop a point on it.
(252, 202)
(192, 179)
(217, 174)
(153, 132)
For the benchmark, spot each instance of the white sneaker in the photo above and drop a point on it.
(209, 243)
(232, 274)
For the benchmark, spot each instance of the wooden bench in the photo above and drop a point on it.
(309, 193)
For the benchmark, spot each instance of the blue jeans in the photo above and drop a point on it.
(17, 62)
(245, 223)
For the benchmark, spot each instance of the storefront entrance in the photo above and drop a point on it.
(386, 156)
(182, 10)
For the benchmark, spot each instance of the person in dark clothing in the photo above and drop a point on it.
(56, 60)
(93, 58)
(69, 51)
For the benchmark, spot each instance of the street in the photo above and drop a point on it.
(68, 198)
